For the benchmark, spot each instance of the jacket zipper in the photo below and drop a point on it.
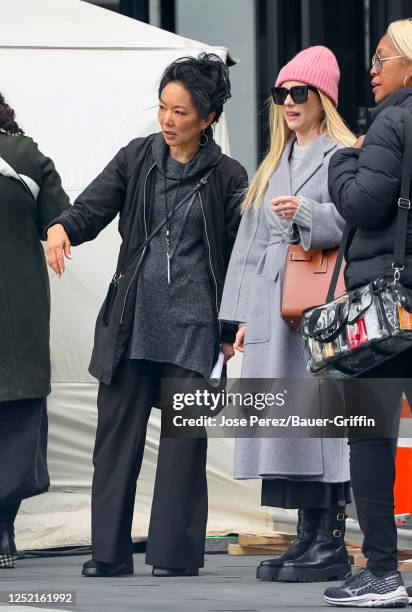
(210, 263)
(144, 250)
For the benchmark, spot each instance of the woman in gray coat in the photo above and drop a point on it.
(31, 195)
(288, 202)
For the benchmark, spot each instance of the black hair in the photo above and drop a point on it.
(206, 78)
(7, 118)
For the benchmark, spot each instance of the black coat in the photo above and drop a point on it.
(24, 283)
(365, 185)
(126, 187)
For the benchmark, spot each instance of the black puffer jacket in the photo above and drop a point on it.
(365, 185)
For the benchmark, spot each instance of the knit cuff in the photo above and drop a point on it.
(303, 214)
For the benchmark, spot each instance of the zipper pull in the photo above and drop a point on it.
(117, 278)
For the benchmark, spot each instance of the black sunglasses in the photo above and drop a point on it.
(298, 93)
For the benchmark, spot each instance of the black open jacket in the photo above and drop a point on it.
(365, 185)
(126, 187)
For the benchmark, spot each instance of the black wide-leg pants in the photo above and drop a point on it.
(177, 528)
(372, 470)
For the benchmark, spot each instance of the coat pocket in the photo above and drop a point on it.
(108, 303)
(258, 319)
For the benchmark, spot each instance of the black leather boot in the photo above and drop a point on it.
(307, 527)
(8, 552)
(326, 558)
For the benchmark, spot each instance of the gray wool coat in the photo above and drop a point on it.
(252, 295)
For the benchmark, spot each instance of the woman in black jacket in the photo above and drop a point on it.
(365, 183)
(31, 196)
(160, 318)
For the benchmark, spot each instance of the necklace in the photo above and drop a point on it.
(168, 217)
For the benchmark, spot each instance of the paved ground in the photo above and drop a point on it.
(226, 584)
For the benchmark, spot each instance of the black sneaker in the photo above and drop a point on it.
(365, 590)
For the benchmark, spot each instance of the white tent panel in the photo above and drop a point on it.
(72, 23)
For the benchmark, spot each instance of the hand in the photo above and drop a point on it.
(57, 243)
(227, 350)
(359, 143)
(285, 206)
(240, 339)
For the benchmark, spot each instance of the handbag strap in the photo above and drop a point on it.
(404, 205)
(347, 235)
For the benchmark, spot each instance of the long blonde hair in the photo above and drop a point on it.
(332, 125)
(400, 32)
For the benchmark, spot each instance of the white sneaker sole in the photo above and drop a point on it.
(388, 600)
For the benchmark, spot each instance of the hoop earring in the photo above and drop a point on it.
(204, 142)
(405, 80)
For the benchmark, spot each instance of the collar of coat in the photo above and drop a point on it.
(313, 160)
(396, 99)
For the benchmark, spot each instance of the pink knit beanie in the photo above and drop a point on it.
(316, 66)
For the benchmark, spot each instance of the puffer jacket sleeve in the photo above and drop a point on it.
(364, 183)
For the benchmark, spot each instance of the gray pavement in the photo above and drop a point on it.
(226, 584)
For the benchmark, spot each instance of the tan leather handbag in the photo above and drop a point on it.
(307, 278)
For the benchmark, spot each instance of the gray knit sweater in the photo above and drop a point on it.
(302, 215)
(177, 322)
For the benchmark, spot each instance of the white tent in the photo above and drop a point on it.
(83, 83)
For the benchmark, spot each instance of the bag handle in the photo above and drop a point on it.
(321, 335)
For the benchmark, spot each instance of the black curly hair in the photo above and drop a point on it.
(7, 119)
(206, 78)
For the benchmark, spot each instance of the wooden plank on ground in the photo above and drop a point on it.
(405, 554)
(247, 539)
(359, 560)
(276, 543)
(405, 566)
(236, 549)
(353, 551)
(353, 544)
